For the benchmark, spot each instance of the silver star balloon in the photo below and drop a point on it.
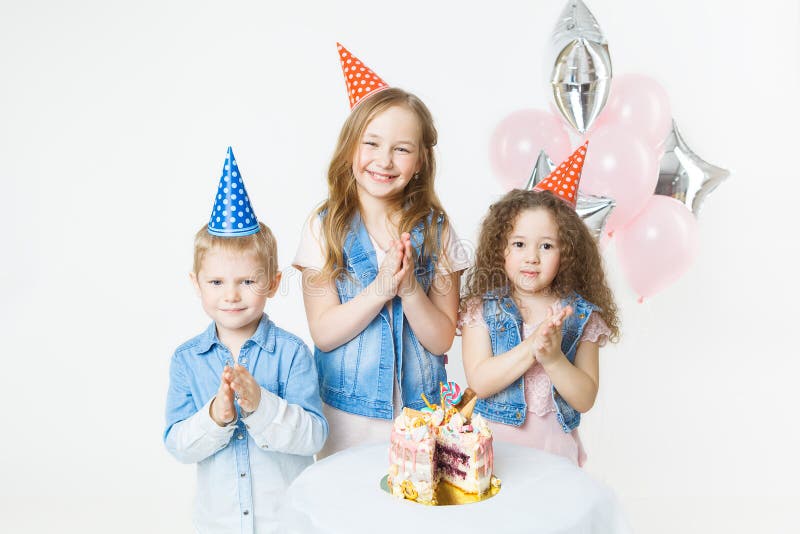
(685, 176)
(593, 210)
(581, 75)
(544, 166)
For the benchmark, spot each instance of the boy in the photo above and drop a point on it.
(243, 400)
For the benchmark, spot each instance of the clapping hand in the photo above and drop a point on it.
(222, 410)
(547, 337)
(246, 388)
(392, 270)
(409, 282)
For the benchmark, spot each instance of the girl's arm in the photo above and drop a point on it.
(433, 316)
(487, 374)
(332, 323)
(577, 384)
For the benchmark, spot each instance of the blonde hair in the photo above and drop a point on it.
(262, 244)
(419, 197)
(580, 268)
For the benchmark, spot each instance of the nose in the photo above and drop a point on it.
(384, 158)
(232, 293)
(532, 256)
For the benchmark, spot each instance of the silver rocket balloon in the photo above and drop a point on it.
(685, 176)
(593, 210)
(581, 75)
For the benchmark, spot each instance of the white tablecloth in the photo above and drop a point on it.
(541, 493)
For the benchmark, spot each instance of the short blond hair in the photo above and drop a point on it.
(262, 244)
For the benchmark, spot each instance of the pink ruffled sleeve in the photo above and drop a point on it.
(596, 330)
(472, 316)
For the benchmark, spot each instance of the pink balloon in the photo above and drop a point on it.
(658, 246)
(621, 166)
(638, 104)
(517, 140)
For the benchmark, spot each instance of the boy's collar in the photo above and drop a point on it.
(264, 336)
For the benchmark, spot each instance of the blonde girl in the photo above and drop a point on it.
(381, 268)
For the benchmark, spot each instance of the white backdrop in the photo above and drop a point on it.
(114, 120)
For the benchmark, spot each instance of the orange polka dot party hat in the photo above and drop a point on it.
(563, 181)
(361, 81)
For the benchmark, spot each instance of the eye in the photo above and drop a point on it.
(403, 150)
(517, 244)
(371, 143)
(215, 282)
(547, 246)
(249, 282)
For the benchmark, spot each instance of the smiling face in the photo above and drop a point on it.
(233, 288)
(388, 154)
(532, 255)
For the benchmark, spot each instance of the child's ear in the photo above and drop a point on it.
(195, 283)
(273, 286)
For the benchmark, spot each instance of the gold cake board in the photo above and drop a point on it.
(449, 495)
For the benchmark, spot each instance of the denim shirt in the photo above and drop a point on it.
(358, 376)
(244, 468)
(505, 324)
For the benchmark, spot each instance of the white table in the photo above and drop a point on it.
(541, 493)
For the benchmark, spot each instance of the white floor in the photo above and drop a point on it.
(667, 515)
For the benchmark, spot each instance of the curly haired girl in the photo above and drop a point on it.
(535, 312)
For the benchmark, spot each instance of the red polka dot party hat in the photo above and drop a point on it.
(563, 181)
(361, 81)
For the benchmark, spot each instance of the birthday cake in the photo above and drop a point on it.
(440, 444)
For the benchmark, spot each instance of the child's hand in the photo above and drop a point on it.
(247, 388)
(392, 271)
(409, 282)
(222, 410)
(547, 338)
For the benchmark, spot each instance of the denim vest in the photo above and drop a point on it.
(505, 324)
(358, 376)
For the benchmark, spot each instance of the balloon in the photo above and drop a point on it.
(593, 210)
(640, 105)
(544, 166)
(581, 74)
(623, 167)
(658, 246)
(684, 175)
(518, 138)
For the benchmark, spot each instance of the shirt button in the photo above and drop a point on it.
(246, 512)
(502, 328)
(519, 415)
(243, 361)
(242, 475)
(239, 436)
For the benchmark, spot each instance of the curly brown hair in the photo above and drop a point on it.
(581, 266)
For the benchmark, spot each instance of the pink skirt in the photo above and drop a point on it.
(543, 432)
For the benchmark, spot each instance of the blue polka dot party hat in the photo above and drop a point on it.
(232, 215)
